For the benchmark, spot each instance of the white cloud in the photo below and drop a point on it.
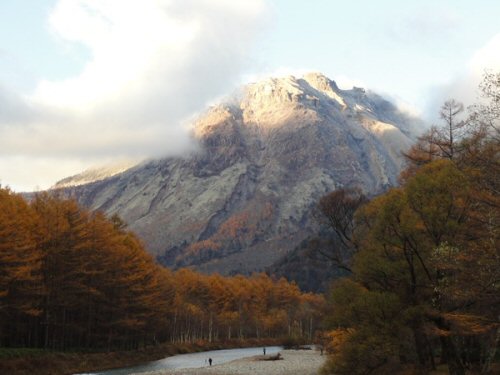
(464, 87)
(153, 64)
(487, 57)
(24, 173)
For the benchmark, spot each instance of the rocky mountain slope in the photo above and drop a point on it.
(94, 174)
(244, 200)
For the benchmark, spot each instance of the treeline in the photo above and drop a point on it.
(70, 278)
(223, 308)
(424, 288)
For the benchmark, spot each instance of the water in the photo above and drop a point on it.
(192, 360)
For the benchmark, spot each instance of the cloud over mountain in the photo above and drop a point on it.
(465, 86)
(152, 64)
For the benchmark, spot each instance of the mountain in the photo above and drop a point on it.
(244, 200)
(94, 174)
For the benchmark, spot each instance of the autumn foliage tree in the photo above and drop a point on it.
(431, 273)
(100, 287)
(425, 284)
(71, 278)
(216, 308)
(337, 209)
(20, 271)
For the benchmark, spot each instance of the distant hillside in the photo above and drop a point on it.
(266, 156)
(94, 174)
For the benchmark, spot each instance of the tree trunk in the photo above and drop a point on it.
(210, 327)
(490, 352)
(455, 365)
(421, 347)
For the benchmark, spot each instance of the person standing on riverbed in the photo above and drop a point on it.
(210, 361)
(264, 350)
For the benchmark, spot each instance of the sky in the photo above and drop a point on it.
(90, 82)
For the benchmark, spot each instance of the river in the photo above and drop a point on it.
(192, 360)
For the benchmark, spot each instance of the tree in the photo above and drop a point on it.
(439, 142)
(487, 114)
(367, 330)
(20, 279)
(337, 210)
(71, 278)
(419, 246)
(452, 131)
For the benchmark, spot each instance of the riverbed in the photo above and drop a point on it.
(192, 360)
(294, 362)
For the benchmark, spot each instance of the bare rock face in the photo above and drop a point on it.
(95, 174)
(245, 199)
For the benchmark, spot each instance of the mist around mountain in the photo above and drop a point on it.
(265, 156)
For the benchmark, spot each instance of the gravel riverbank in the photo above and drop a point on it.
(294, 362)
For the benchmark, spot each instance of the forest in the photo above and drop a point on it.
(73, 279)
(423, 290)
